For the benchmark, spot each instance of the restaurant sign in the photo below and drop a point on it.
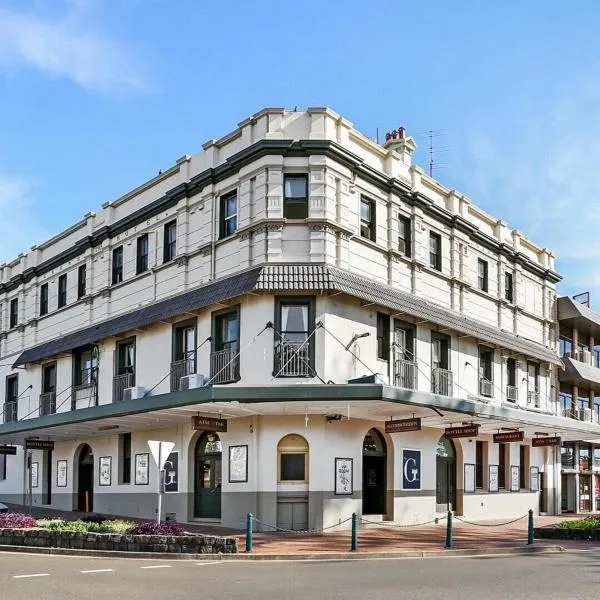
(401, 425)
(509, 436)
(545, 441)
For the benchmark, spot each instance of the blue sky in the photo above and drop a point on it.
(97, 95)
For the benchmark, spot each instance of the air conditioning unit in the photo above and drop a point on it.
(133, 393)
(190, 382)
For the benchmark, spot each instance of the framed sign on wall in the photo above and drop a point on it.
(534, 479)
(344, 476)
(411, 469)
(514, 478)
(61, 473)
(142, 466)
(172, 473)
(493, 480)
(105, 470)
(34, 474)
(238, 464)
(469, 486)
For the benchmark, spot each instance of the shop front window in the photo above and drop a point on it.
(584, 457)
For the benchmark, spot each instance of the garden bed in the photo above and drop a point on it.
(576, 529)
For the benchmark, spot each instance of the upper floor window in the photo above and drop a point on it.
(367, 219)
(511, 380)
(508, 287)
(14, 313)
(85, 366)
(533, 383)
(228, 215)
(404, 236)
(141, 264)
(294, 348)
(482, 274)
(124, 368)
(435, 251)
(486, 371)
(183, 353)
(566, 345)
(117, 265)
(170, 241)
(48, 395)
(295, 196)
(441, 376)
(43, 299)
(11, 398)
(62, 290)
(383, 336)
(81, 281)
(224, 361)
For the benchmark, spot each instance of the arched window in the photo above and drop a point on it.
(292, 452)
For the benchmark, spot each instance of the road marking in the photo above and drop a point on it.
(98, 571)
(210, 562)
(32, 575)
(157, 567)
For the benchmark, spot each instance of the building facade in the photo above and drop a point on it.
(316, 325)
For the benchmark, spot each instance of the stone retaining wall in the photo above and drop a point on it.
(559, 533)
(192, 544)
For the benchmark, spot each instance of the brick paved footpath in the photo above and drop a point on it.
(479, 535)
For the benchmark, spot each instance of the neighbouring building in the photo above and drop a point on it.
(317, 326)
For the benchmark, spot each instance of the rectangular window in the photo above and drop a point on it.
(502, 466)
(435, 251)
(14, 312)
(141, 264)
(48, 395)
(170, 241)
(228, 215)
(117, 265)
(292, 467)
(585, 452)
(512, 392)
(183, 353)
(383, 336)
(508, 287)
(224, 359)
(479, 464)
(294, 324)
(404, 236)
(2, 467)
(533, 384)
(367, 219)
(404, 341)
(62, 290)
(295, 196)
(12, 396)
(85, 366)
(81, 281)
(566, 346)
(43, 299)
(486, 371)
(567, 455)
(126, 357)
(482, 274)
(125, 453)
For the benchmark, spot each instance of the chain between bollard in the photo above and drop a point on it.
(491, 524)
(276, 528)
(397, 526)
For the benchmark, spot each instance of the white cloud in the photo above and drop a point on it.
(68, 47)
(19, 224)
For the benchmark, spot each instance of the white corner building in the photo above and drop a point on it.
(316, 325)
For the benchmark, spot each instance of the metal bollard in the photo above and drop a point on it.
(449, 530)
(249, 532)
(354, 543)
(530, 528)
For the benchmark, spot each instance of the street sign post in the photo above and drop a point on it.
(160, 452)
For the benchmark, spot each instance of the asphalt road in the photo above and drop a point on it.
(571, 576)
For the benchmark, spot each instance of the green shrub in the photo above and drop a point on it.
(585, 523)
(114, 526)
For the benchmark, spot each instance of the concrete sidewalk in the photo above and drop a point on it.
(479, 535)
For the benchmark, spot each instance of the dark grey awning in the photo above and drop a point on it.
(580, 373)
(217, 291)
(575, 315)
(301, 278)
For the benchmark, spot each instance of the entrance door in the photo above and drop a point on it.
(542, 506)
(374, 474)
(207, 487)
(585, 493)
(445, 475)
(85, 485)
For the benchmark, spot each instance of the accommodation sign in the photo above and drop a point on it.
(209, 424)
(38, 445)
(460, 432)
(509, 436)
(545, 441)
(402, 425)
(9, 450)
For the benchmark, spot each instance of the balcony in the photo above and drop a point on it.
(47, 403)
(224, 366)
(441, 382)
(84, 395)
(486, 387)
(10, 411)
(512, 393)
(179, 369)
(405, 374)
(292, 359)
(120, 384)
(533, 398)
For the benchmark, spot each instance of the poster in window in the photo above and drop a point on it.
(61, 473)
(172, 473)
(469, 478)
(411, 469)
(344, 477)
(493, 481)
(534, 479)
(105, 474)
(34, 474)
(514, 478)
(142, 466)
(238, 464)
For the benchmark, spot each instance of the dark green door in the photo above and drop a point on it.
(445, 476)
(374, 474)
(208, 462)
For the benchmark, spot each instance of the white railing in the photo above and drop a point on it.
(405, 374)
(441, 382)
(179, 369)
(292, 359)
(84, 395)
(223, 366)
(47, 403)
(486, 387)
(512, 393)
(120, 384)
(533, 397)
(10, 411)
